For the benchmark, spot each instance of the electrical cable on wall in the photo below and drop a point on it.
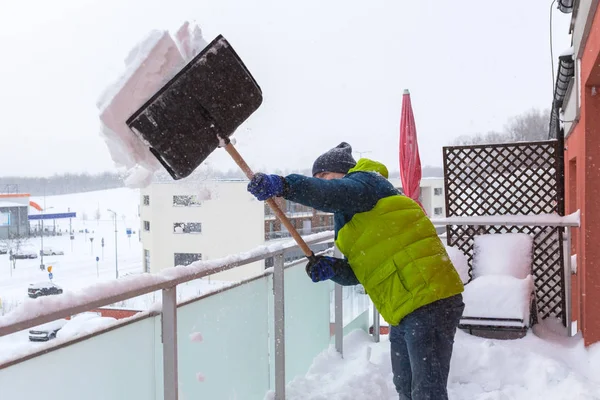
(551, 51)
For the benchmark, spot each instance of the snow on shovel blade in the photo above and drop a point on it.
(207, 100)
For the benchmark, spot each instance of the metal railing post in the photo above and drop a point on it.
(568, 288)
(279, 317)
(169, 341)
(376, 327)
(338, 330)
(338, 301)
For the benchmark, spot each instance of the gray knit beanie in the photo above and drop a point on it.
(339, 159)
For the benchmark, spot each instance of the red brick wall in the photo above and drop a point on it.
(582, 176)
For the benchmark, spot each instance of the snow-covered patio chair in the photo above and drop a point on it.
(500, 299)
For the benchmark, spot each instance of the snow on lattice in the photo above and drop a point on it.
(502, 254)
(460, 262)
(149, 65)
(495, 296)
(529, 220)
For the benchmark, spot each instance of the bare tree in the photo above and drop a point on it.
(98, 215)
(7, 243)
(478, 138)
(529, 126)
(19, 241)
(14, 243)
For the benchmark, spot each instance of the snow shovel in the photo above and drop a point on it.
(197, 111)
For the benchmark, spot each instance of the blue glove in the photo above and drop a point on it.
(321, 268)
(264, 186)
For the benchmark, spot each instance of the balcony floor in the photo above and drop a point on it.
(540, 366)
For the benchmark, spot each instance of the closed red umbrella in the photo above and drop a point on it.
(410, 162)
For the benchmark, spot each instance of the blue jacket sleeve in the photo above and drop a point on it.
(344, 275)
(345, 195)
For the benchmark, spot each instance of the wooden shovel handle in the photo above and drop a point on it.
(271, 202)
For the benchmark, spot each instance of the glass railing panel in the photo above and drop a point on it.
(223, 345)
(306, 321)
(118, 364)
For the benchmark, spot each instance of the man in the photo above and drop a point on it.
(392, 249)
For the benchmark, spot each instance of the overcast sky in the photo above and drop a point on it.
(330, 71)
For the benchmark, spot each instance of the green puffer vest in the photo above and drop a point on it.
(396, 254)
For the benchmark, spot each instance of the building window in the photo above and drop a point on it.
(187, 227)
(437, 191)
(186, 201)
(438, 211)
(268, 210)
(146, 260)
(187, 258)
(147, 225)
(293, 208)
(269, 262)
(146, 200)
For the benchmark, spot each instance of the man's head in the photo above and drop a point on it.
(335, 163)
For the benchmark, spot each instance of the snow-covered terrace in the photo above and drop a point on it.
(255, 338)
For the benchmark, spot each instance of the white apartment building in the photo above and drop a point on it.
(204, 220)
(433, 198)
(185, 221)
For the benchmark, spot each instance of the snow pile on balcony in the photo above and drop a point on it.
(460, 262)
(542, 365)
(502, 283)
(498, 297)
(502, 254)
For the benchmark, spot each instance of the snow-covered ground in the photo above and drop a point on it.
(77, 268)
(543, 365)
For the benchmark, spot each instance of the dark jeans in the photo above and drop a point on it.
(421, 348)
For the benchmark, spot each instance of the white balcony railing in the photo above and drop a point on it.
(257, 335)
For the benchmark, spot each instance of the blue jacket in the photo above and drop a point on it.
(354, 193)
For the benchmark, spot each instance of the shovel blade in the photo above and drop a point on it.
(207, 100)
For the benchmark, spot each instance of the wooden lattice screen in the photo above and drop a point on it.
(518, 179)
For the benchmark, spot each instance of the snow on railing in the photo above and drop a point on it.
(572, 220)
(42, 310)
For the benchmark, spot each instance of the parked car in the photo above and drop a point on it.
(82, 324)
(43, 333)
(3, 248)
(25, 253)
(43, 289)
(50, 251)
